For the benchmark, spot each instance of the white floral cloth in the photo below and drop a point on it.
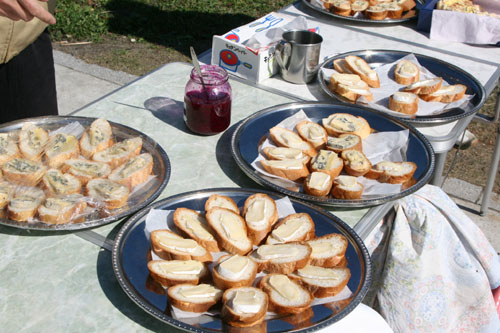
(436, 270)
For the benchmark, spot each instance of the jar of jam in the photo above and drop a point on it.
(208, 111)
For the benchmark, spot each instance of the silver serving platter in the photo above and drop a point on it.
(450, 73)
(362, 19)
(131, 248)
(250, 133)
(137, 200)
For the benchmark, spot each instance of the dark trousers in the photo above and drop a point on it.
(28, 83)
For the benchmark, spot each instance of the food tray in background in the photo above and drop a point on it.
(137, 200)
(450, 73)
(407, 16)
(251, 132)
(131, 248)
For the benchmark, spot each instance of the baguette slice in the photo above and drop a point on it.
(194, 298)
(32, 141)
(8, 148)
(217, 200)
(285, 138)
(425, 86)
(394, 172)
(234, 271)
(195, 226)
(288, 169)
(323, 282)
(134, 172)
(170, 273)
(60, 148)
(355, 162)
(394, 11)
(62, 209)
(406, 72)
(281, 258)
(318, 184)
(168, 245)
(6, 193)
(358, 65)
(230, 230)
(260, 213)
(327, 161)
(340, 66)
(345, 77)
(344, 123)
(282, 153)
(293, 228)
(359, 5)
(404, 102)
(112, 194)
(57, 183)
(344, 142)
(97, 137)
(341, 7)
(347, 187)
(25, 202)
(354, 92)
(406, 4)
(86, 170)
(328, 250)
(120, 152)
(378, 13)
(23, 171)
(313, 133)
(244, 306)
(446, 94)
(285, 295)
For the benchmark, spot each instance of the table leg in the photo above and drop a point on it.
(491, 175)
(437, 178)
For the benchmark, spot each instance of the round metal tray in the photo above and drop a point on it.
(450, 73)
(137, 200)
(131, 247)
(361, 19)
(247, 137)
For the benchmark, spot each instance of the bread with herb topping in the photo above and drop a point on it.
(23, 171)
(8, 148)
(62, 209)
(86, 170)
(57, 183)
(133, 172)
(24, 203)
(119, 152)
(97, 137)
(111, 194)
(61, 147)
(32, 141)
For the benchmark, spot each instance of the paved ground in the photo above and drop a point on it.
(78, 84)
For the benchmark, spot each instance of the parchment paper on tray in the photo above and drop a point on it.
(383, 146)
(389, 86)
(163, 219)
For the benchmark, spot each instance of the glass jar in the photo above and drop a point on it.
(208, 111)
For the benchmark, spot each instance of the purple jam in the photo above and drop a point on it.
(207, 116)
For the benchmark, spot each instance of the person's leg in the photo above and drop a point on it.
(27, 82)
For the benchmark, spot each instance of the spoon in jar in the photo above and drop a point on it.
(196, 65)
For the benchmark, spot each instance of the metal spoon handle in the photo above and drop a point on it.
(196, 64)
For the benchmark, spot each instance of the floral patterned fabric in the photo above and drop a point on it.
(437, 270)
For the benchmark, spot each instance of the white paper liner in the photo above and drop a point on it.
(383, 146)
(163, 219)
(389, 86)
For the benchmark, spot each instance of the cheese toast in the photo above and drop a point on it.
(168, 246)
(347, 187)
(62, 209)
(318, 184)
(86, 170)
(23, 171)
(285, 295)
(195, 226)
(355, 162)
(60, 148)
(328, 250)
(217, 200)
(286, 138)
(133, 172)
(193, 298)
(345, 123)
(32, 141)
(119, 152)
(288, 169)
(112, 194)
(230, 230)
(284, 153)
(260, 214)
(234, 271)
(313, 133)
(327, 161)
(97, 137)
(57, 183)
(172, 272)
(323, 282)
(24, 203)
(281, 258)
(344, 142)
(244, 306)
(8, 148)
(293, 228)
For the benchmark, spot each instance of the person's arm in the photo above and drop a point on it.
(25, 10)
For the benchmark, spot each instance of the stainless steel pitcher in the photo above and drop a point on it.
(297, 55)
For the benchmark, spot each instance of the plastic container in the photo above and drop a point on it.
(208, 111)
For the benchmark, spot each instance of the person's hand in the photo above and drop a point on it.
(25, 10)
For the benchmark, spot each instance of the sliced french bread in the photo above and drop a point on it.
(281, 258)
(285, 295)
(327, 161)
(24, 203)
(194, 298)
(323, 282)
(217, 200)
(395, 172)
(343, 142)
(424, 86)
(8, 148)
(358, 65)
(355, 162)
(195, 226)
(234, 271)
(97, 137)
(328, 250)
(404, 102)
(293, 228)
(62, 209)
(168, 245)
(318, 184)
(23, 171)
(288, 169)
(230, 230)
(244, 306)
(32, 141)
(406, 72)
(172, 272)
(446, 94)
(56, 183)
(283, 153)
(61, 147)
(345, 123)
(111, 194)
(260, 214)
(86, 170)
(347, 187)
(133, 172)
(120, 152)
(313, 133)
(286, 138)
